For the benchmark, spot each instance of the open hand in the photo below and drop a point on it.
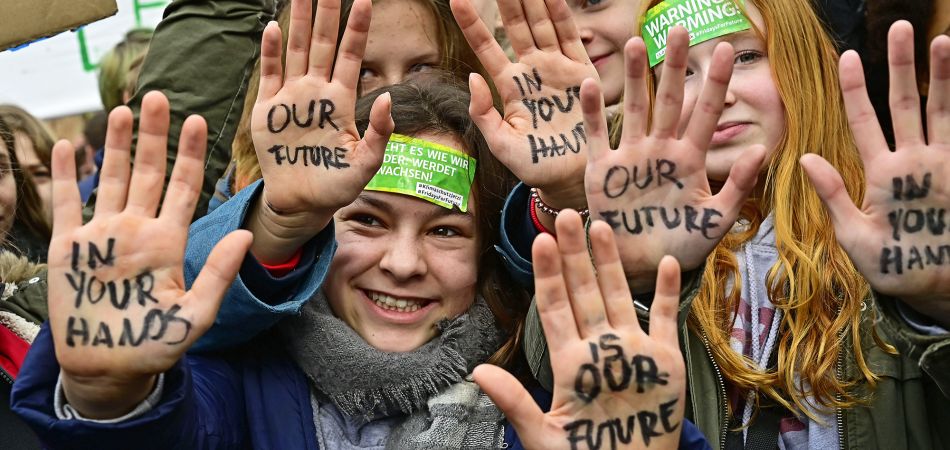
(118, 309)
(899, 238)
(612, 380)
(653, 189)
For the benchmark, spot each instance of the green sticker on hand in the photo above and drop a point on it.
(423, 169)
(703, 19)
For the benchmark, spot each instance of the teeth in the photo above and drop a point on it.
(393, 304)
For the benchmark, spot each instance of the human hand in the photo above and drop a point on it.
(611, 379)
(118, 309)
(898, 239)
(653, 189)
(540, 138)
(303, 124)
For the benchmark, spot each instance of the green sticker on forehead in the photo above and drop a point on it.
(703, 19)
(423, 169)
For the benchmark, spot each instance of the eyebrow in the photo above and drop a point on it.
(432, 214)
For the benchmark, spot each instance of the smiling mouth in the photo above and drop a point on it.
(398, 304)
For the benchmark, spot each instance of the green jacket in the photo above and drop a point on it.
(201, 57)
(909, 409)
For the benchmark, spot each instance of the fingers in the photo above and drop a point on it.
(938, 101)
(298, 38)
(611, 277)
(904, 98)
(272, 77)
(705, 116)
(148, 177)
(114, 177)
(669, 95)
(184, 186)
(215, 278)
(830, 187)
(742, 179)
(485, 116)
(353, 45)
(861, 116)
(542, 29)
(483, 43)
(511, 398)
(595, 121)
(67, 203)
(663, 326)
(554, 307)
(636, 101)
(567, 34)
(326, 25)
(380, 128)
(517, 28)
(586, 300)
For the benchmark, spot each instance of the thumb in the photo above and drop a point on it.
(513, 400)
(830, 188)
(215, 278)
(377, 133)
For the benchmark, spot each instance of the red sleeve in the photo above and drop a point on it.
(279, 270)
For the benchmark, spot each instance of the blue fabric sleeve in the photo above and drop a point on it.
(200, 409)
(256, 300)
(517, 235)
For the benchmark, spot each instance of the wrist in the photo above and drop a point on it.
(562, 198)
(279, 234)
(934, 307)
(101, 398)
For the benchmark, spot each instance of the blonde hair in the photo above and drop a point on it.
(457, 58)
(814, 284)
(115, 68)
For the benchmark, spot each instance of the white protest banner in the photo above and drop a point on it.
(56, 77)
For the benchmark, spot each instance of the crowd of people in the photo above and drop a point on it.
(479, 224)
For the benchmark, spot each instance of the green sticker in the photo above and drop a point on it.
(423, 169)
(704, 19)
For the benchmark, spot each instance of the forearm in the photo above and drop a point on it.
(279, 235)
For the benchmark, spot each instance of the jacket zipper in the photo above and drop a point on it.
(839, 412)
(723, 412)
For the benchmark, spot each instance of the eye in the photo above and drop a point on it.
(367, 73)
(592, 3)
(422, 67)
(445, 231)
(747, 57)
(366, 220)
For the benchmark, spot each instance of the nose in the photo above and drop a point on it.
(730, 93)
(404, 259)
(584, 29)
(394, 77)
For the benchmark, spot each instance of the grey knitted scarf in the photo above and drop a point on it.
(443, 410)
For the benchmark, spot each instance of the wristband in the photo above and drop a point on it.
(547, 209)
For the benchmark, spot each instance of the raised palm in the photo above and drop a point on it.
(541, 137)
(653, 189)
(303, 126)
(615, 386)
(898, 239)
(118, 307)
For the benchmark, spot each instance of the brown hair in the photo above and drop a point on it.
(29, 207)
(457, 58)
(115, 67)
(20, 121)
(440, 105)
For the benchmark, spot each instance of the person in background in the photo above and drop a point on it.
(94, 134)
(116, 69)
(33, 145)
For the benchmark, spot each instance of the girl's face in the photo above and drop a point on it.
(402, 41)
(31, 164)
(402, 265)
(8, 194)
(754, 112)
(604, 27)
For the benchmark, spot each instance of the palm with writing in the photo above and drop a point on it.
(612, 381)
(119, 312)
(540, 138)
(303, 126)
(899, 238)
(653, 189)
